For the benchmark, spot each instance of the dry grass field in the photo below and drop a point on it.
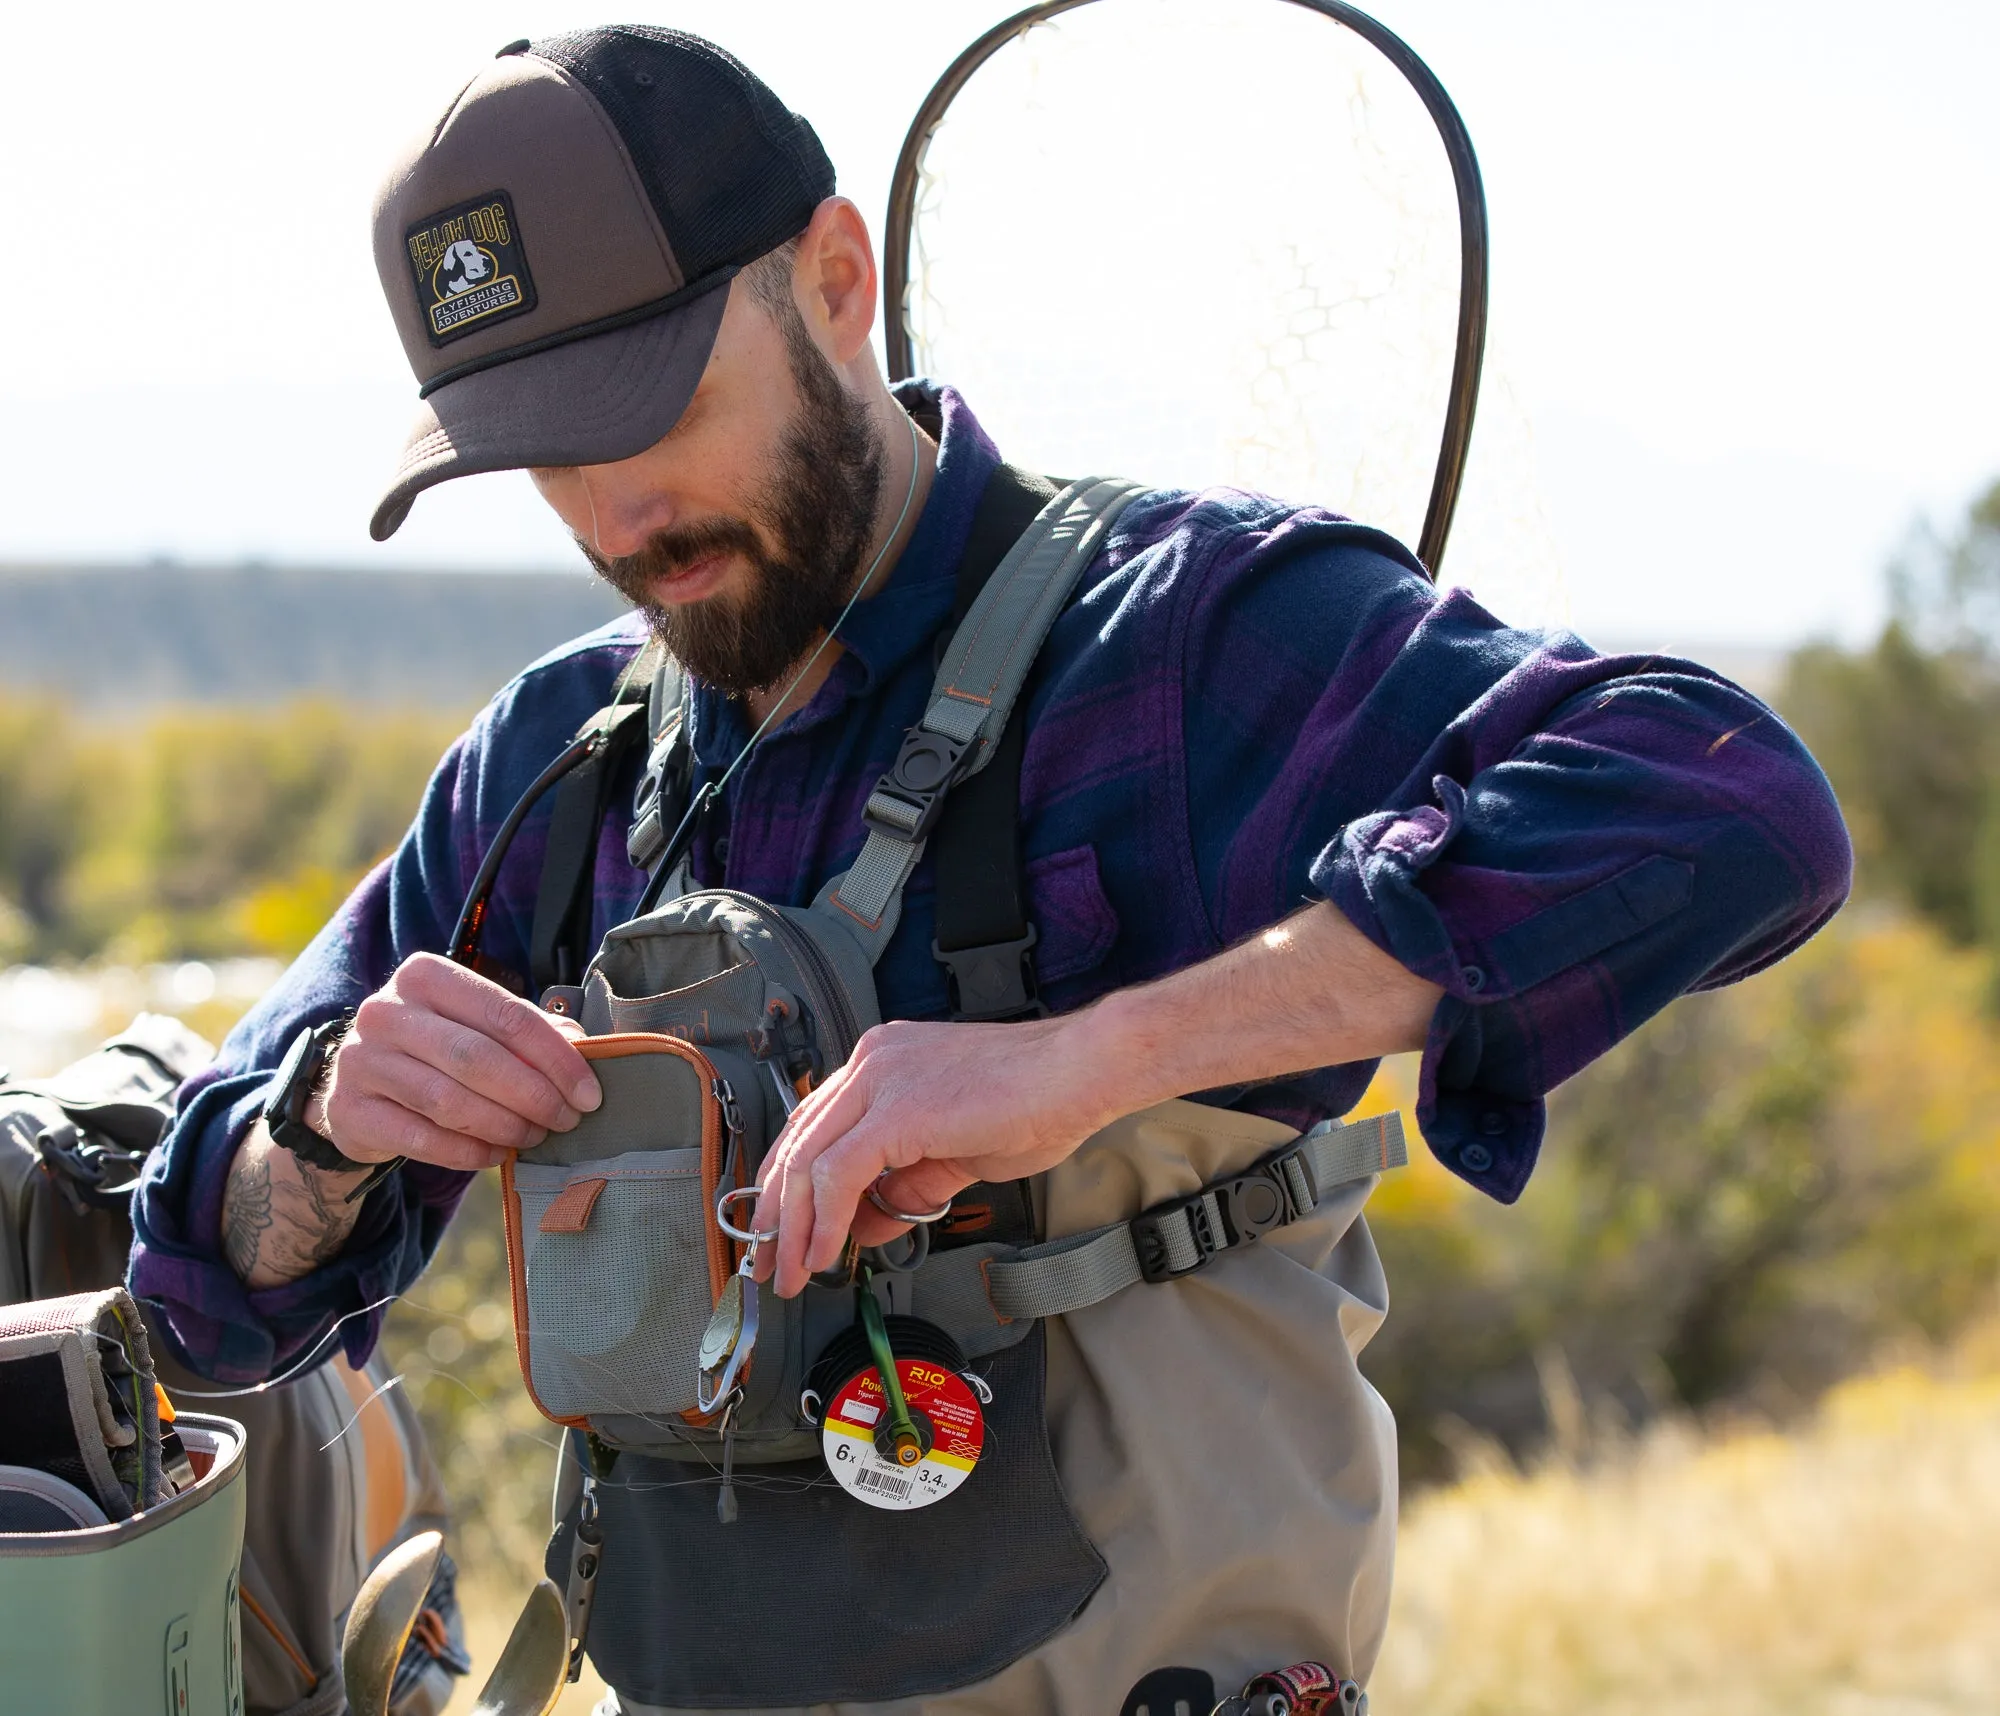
(1850, 1566)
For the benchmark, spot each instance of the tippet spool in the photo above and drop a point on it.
(946, 1410)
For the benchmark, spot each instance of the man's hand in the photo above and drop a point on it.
(939, 1106)
(936, 1107)
(444, 1066)
(441, 1065)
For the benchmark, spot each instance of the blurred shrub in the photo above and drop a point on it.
(1739, 1204)
(1909, 731)
(194, 834)
(452, 1339)
(41, 817)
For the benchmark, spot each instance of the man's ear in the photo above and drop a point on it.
(834, 280)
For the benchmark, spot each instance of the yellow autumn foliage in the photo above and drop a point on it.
(1740, 1203)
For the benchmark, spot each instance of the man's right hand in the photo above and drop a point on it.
(442, 1065)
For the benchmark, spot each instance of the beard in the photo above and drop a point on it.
(818, 507)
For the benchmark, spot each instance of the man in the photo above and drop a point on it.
(1283, 805)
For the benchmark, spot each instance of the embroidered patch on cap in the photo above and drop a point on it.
(469, 267)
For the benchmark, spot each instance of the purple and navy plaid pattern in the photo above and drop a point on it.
(1246, 707)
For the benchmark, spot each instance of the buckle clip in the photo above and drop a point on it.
(986, 984)
(907, 800)
(660, 796)
(1187, 1234)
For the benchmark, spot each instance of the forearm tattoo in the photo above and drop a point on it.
(280, 1220)
(246, 1208)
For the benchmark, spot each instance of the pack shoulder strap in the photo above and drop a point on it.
(984, 939)
(560, 929)
(971, 700)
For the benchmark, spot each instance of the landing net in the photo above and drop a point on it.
(1216, 242)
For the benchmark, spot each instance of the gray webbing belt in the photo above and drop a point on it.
(977, 1292)
(981, 675)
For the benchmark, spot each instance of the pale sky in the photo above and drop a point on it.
(1745, 260)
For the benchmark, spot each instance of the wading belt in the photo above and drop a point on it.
(987, 1295)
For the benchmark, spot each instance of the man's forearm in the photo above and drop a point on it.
(282, 1218)
(939, 1106)
(1312, 991)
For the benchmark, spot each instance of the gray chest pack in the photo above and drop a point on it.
(732, 1481)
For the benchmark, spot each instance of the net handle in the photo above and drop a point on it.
(1469, 355)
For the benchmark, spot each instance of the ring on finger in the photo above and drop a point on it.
(888, 1209)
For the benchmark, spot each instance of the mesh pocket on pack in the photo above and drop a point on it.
(616, 1303)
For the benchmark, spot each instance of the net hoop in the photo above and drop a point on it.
(1469, 351)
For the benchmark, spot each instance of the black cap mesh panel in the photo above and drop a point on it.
(731, 171)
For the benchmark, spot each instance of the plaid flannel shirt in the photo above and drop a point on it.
(1246, 706)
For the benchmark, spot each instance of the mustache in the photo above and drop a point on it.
(674, 550)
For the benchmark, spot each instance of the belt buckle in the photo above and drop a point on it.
(1219, 1217)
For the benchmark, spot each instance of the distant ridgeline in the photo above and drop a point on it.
(258, 634)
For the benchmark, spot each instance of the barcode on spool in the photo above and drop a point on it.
(889, 1483)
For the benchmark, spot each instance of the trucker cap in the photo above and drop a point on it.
(557, 248)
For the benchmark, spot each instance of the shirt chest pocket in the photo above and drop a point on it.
(1075, 922)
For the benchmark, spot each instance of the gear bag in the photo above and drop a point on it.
(326, 1487)
(707, 1017)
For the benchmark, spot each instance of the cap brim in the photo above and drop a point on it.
(590, 402)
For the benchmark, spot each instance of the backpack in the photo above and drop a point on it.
(71, 1147)
(707, 1016)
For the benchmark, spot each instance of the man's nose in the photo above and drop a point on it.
(624, 515)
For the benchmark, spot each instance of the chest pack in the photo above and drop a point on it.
(708, 1016)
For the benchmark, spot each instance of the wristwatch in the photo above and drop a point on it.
(299, 1077)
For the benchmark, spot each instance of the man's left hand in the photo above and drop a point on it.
(937, 1107)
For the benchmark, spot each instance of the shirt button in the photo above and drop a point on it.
(1472, 977)
(721, 849)
(1475, 1158)
(1493, 1123)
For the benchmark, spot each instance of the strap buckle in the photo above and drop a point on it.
(1184, 1235)
(88, 1169)
(907, 801)
(661, 794)
(987, 984)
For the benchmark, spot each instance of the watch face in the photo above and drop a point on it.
(278, 1104)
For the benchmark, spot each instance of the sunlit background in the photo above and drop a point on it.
(1743, 273)
(1712, 1417)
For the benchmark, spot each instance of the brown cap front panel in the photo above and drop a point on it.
(520, 215)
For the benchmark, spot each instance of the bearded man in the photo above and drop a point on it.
(1284, 808)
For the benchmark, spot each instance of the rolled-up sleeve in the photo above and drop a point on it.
(1562, 841)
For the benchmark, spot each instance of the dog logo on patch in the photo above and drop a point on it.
(469, 267)
(463, 267)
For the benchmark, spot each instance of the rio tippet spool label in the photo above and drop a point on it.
(958, 1431)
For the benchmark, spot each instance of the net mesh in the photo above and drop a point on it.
(1201, 243)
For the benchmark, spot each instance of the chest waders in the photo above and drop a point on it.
(707, 1016)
